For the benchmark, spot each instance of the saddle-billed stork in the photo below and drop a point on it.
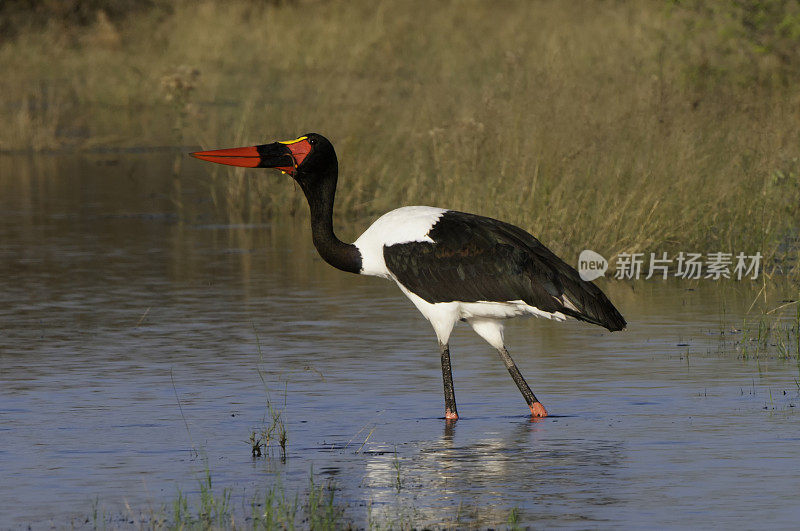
(452, 265)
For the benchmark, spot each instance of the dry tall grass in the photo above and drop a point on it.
(611, 126)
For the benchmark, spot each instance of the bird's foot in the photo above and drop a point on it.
(450, 415)
(538, 410)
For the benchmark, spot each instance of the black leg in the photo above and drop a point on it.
(537, 409)
(450, 411)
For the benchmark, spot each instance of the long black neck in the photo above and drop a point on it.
(320, 191)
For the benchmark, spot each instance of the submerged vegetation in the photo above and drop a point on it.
(314, 508)
(772, 334)
(623, 127)
(317, 506)
(272, 430)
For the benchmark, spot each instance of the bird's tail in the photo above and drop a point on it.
(583, 300)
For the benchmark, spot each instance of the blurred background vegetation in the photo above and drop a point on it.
(616, 126)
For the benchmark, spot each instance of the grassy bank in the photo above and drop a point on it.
(624, 127)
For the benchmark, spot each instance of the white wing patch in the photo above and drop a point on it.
(402, 225)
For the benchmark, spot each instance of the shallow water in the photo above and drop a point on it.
(121, 290)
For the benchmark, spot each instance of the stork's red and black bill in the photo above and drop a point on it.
(285, 156)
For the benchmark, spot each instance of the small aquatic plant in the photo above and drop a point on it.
(212, 512)
(513, 519)
(195, 453)
(272, 428)
(271, 433)
(321, 511)
(772, 334)
(396, 463)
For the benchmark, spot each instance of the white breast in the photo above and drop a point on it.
(402, 225)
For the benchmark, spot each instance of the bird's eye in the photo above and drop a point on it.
(312, 141)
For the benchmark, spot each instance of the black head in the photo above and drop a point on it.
(319, 160)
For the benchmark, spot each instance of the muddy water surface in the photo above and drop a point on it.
(121, 289)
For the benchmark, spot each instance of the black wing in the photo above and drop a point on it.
(474, 258)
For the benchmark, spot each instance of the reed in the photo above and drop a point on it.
(624, 127)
